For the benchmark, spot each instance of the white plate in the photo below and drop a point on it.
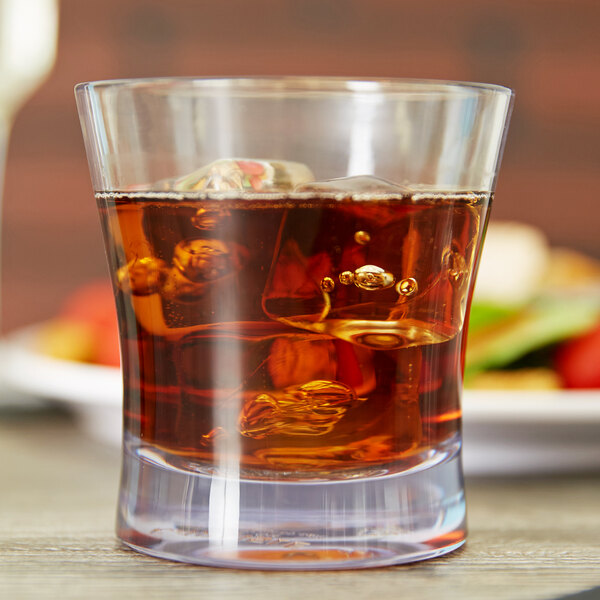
(505, 432)
(93, 392)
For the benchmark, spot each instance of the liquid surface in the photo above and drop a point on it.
(305, 335)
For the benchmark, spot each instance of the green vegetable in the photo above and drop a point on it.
(484, 314)
(502, 341)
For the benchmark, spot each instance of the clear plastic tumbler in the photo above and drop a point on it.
(293, 261)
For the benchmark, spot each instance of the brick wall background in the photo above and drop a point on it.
(547, 50)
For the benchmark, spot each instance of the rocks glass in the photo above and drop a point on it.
(293, 261)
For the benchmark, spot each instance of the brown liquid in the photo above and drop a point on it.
(300, 334)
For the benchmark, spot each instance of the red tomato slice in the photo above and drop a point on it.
(93, 304)
(107, 350)
(251, 167)
(578, 361)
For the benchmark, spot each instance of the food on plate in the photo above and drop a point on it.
(85, 329)
(536, 378)
(533, 309)
(578, 361)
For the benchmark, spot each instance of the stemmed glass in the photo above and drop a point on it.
(28, 36)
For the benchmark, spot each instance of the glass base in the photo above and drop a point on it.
(228, 522)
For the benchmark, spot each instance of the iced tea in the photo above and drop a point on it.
(302, 334)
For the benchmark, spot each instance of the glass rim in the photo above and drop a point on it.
(298, 84)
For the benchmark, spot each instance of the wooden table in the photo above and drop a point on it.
(529, 538)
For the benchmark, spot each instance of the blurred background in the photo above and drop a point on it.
(548, 51)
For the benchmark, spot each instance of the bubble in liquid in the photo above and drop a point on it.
(208, 218)
(371, 277)
(327, 284)
(347, 277)
(407, 287)
(142, 276)
(202, 260)
(362, 238)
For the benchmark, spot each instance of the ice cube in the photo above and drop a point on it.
(202, 260)
(293, 361)
(294, 285)
(201, 264)
(359, 187)
(259, 175)
(181, 289)
(142, 275)
(199, 375)
(313, 408)
(207, 219)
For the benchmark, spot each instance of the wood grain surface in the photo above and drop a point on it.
(529, 538)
